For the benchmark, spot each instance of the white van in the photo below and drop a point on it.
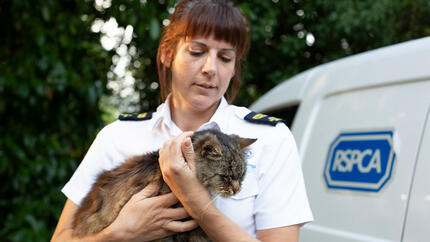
(362, 128)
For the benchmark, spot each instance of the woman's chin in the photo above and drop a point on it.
(203, 103)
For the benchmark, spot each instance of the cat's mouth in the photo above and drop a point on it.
(229, 191)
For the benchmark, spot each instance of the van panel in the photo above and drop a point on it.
(417, 224)
(383, 92)
(396, 64)
(351, 215)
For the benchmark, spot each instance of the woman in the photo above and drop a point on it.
(200, 53)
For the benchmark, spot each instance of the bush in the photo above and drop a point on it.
(53, 73)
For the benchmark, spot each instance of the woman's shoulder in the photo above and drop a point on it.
(259, 124)
(127, 124)
(128, 137)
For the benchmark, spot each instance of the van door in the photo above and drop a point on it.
(359, 161)
(417, 226)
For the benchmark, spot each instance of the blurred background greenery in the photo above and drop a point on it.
(67, 68)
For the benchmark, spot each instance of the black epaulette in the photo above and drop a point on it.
(135, 116)
(260, 118)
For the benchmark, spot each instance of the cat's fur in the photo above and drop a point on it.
(220, 165)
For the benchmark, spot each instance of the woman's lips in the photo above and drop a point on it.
(206, 86)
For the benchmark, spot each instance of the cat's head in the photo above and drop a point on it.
(220, 160)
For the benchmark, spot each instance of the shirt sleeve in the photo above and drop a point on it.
(282, 199)
(94, 163)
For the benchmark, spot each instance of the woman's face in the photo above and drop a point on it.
(201, 72)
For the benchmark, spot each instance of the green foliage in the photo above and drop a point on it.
(279, 30)
(146, 17)
(53, 75)
(53, 72)
(340, 28)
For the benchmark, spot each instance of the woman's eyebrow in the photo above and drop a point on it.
(205, 45)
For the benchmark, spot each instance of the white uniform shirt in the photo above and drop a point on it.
(273, 192)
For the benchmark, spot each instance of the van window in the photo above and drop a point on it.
(285, 113)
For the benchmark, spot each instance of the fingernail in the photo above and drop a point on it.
(188, 142)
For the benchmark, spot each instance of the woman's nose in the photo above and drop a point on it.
(209, 67)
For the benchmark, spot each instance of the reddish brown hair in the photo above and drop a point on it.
(193, 18)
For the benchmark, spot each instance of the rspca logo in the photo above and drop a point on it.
(360, 161)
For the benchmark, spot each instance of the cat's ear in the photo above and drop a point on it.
(210, 146)
(244, 142)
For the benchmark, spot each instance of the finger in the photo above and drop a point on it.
(177, 213)
(188, 151)
(180, 226)
(167, 200)
(177, 142)
(163, 152)
(150, 190)
(187, 134)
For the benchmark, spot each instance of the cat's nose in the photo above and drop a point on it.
(235, 187)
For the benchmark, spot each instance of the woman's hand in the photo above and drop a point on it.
(143, 218)
(177, 163)
(146, 218)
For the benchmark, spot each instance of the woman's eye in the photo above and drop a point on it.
(196, 53)
(225, 59)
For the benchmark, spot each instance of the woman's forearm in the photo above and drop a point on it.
(217, 225)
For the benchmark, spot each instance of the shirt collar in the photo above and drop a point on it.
(219, 119)
(163, 122)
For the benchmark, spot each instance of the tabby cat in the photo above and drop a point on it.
(220, 164)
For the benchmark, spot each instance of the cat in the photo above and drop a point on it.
(220, 167)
